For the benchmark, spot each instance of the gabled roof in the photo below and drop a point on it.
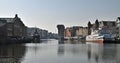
(10, 20)
(107, 21)
(118, 18)
(113, 23)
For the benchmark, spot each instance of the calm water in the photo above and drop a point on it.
(51, 51)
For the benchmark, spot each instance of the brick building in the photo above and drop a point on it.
(12, 27)
(76, 31)
(68, 32)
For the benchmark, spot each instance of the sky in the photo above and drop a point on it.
(46, 14)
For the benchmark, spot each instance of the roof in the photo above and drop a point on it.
(8, 19)
(107, 21)
(118, 18)
(110, 22)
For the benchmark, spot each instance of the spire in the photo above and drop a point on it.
(119, 18)
(96, 24)
(89, 24)
(16, 16)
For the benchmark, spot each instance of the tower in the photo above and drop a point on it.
(61, 29)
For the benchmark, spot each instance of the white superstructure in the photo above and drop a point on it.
(100, 35)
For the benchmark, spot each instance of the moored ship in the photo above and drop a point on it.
(100, 36)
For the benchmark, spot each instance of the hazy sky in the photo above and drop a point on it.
(46, 14)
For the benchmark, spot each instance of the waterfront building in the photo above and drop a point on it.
(82, 31)
(79, 32)
(108, 25)
(61, 31)
(102, 31)
(68, 32)
(12, 27)
(31, 30)
(76, 31)
(72, 31)
(44, 34)
(55, 35)
(2, 30)
(93, 27)
(85, 31)
(52, 35)
(104, 25)
(118, 26)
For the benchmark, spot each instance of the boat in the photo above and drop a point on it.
(100, 36)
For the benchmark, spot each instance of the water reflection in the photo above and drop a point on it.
(12, 53)
(53, 51)
(110, 52)
(71, 42)
(107, 53)
(89, 52)
(92, 53)
(61, 50)
(61, 41)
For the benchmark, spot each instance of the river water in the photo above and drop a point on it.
(52, 51)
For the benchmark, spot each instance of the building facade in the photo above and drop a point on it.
(118, 27)
(3, 33)
(13, 27)
(82, 31)
(76, 31)
(79, 32)
(68, 32)
(105, 26)
(108, 25)
(44, 34)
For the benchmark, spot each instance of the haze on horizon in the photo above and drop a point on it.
(46, 14)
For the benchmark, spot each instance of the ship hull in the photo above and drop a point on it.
(96, 40)
(101, 41)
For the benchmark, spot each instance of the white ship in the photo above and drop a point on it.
(100, 36)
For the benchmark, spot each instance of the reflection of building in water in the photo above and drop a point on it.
(89, 52)
(12, 53)
(61, 41)
(74, 41)
(94, 51)
(68, 49)
(109, 51)
(61, 50)
(104, 53)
